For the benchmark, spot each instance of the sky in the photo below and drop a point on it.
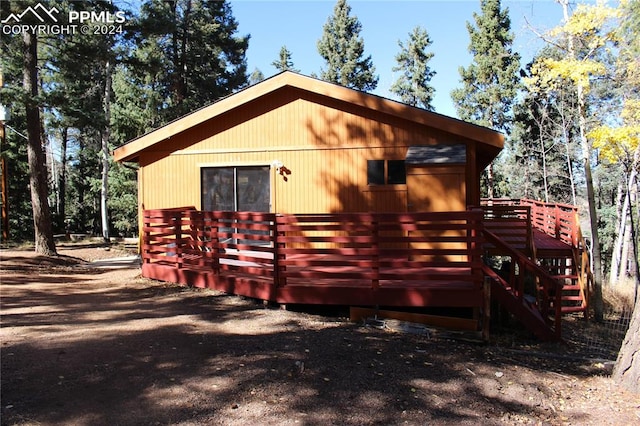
(298, 25)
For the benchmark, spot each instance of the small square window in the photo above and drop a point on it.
(386, 172)
(375, 172)
(396, 173)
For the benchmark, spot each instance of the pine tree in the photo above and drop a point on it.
(284, 62)
(79, 81)
(542, 152)
(256, 77)
(343, 50)
(189, 54)
(44, 243)
(491, 82)
(413, 85)
(14, 145)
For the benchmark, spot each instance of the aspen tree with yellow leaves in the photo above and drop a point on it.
(618, 143)
(583, 37)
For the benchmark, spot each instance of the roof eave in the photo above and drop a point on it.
(132, 149)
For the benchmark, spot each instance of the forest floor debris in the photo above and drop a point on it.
(83, 345)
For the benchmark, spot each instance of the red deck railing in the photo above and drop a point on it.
(555, 219)
(412, 259)
(560, 222)
(367, 259)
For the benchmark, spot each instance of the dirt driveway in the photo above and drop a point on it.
(83, 345)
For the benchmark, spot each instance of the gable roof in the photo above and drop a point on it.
(132, 149)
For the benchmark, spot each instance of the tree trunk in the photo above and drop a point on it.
(106, 133)
(623, 266)
(491, 193)
(44, 243)
(543, 152)
(567, 153)
(62, 186)
(4, 183)
(627, 369)
(598, 303)
(618, 244)
(632, 190)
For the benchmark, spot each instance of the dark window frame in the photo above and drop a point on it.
(386, 172)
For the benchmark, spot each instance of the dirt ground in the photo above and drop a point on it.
(82, 345)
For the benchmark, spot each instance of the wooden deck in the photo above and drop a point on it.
(356, 259)
(377, 260)
(546, 245)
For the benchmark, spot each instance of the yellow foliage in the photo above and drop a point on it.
(547, 73)
(587, 21)
(631, 111)
(588, 27)
(615, 144)
(595, 27)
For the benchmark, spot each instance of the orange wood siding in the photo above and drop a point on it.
(324, 143)
(436, 188)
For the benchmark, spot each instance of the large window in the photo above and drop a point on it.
(386, 172)
(236, 188)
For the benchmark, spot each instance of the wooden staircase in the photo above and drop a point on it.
(565, 269)
(549, 272)
(565, 255)
(534, 312)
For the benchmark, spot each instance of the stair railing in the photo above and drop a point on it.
(582, 260)
(548, 290)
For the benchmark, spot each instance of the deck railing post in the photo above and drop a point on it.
(146, 237)
(214, 238)
(375, 245)
(558, 311)
(276, 251)
(177, 226)
(575, 229)
(486, 308)
(279, 254)
(556, 214)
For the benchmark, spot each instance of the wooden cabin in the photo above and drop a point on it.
(303, 191)
(295, 144)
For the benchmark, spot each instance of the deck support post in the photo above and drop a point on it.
(486, 309)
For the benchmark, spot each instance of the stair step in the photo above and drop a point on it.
(572, 287)
(571, 309)
(572, 298)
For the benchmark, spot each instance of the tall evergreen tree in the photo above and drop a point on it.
(44, 243)
(284, 62)
(413, 59)
(491, 81)
(343, 50)
(256, 77)
(80, 93)
(14, 146)
(190, 53)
